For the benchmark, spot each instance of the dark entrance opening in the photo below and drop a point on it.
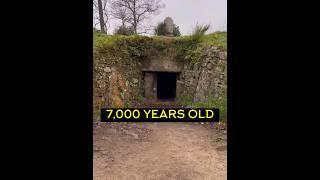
(166, 85)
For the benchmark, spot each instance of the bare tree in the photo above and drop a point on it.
(101, 14)
(137, 10)
(120, 13)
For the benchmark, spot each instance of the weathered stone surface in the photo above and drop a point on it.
(222, 55)
(135, 81)
(162, 65)
(169, 25)
(204, 64)
(203, 88)
(214, 48)
(107, 69)
(115, 83)
(196, 66)
(209, 66)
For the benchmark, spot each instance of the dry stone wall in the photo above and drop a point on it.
(207, 77)
(118, 79)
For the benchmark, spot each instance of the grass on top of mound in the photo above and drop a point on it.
(189, 48)
(218, 39)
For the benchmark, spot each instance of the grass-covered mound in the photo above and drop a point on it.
(119, 50)
(216, 39)
(140, 46)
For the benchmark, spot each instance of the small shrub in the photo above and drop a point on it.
(176, 31)
(160, 30)
(140, 96)
(199, 31)
(124, 30)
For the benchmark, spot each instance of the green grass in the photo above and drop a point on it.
(187, 47)
(218, 39)
(209, 102)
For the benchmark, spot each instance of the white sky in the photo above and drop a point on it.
(187, 13)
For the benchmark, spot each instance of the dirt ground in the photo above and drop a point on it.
(159, 151)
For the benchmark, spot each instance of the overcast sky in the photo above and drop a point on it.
(187, 13)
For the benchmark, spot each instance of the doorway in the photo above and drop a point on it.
(166, 85)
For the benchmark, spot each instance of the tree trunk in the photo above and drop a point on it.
(134, 17)
(101, 16)
(135, 28)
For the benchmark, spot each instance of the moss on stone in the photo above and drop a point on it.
(125, 55)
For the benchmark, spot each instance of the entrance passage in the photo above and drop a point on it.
(166, 85)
